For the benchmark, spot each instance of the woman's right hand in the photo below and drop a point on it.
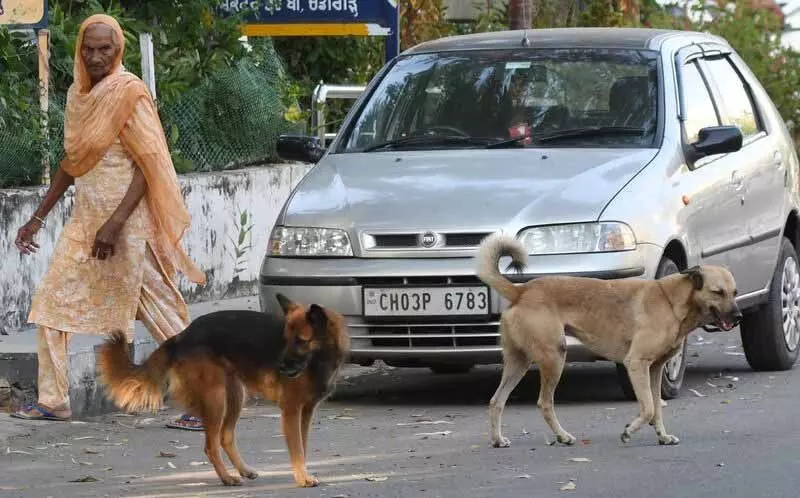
(24, 241)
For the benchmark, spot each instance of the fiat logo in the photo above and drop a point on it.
(428, 239)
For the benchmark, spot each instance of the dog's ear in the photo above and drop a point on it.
(695, 274)
(317, 319)
(285, 302)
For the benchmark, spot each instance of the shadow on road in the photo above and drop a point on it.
(580, 383)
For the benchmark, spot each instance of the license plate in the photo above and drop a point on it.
(426, 301)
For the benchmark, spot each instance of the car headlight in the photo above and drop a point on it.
(309, 242)
(578, 238)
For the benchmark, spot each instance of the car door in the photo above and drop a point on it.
(712, 214)
(761, 172)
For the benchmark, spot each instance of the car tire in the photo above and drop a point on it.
(769, 341)
(450, 368)
(675, 369)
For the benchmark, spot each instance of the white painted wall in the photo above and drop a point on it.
(214, 201)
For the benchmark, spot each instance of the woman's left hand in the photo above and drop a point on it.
(106, 239)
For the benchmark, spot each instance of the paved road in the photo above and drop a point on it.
(740, 440)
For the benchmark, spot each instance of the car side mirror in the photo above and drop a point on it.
(301, 148)
(715, 140)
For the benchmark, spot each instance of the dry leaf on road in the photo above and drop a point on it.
(697, 393)
(424, 422)
(570, 486)
(87, 479)
(431, 434)
(9, 451)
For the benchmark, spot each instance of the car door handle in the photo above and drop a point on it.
(777, 158)
(737, 181)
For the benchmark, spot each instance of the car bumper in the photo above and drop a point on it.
(338, 284)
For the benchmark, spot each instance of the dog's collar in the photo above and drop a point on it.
(671, 306)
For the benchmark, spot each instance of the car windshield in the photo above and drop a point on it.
(502, 98)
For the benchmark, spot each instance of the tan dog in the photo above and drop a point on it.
(640, 323)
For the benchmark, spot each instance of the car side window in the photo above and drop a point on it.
(699, 109)
(739, 109)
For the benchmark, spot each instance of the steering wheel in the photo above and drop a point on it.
(451, 130)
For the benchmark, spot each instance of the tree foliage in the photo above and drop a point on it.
(198, 55)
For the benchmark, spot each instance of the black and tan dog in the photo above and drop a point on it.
(209, 366)
(639, 323)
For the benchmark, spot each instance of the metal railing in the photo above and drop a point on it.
(322, 93)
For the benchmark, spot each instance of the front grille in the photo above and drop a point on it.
(460, 240)
(464, 239)
(416, 281)
(398, 240)
(429, 335)
(426, 331)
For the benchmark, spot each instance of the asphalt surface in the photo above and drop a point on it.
(410, 433)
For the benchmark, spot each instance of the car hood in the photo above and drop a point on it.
(461, 189)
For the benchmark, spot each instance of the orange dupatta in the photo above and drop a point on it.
(96, 116)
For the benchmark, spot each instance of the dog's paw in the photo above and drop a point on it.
(501, 442)
(231, 481)
(566, 439)
(668, 440)
(248, 473)
(308, 481)
(625, 437)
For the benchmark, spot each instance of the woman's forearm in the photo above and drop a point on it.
(60, 183)
(136, 191)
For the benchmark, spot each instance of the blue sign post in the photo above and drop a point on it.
(320, 18)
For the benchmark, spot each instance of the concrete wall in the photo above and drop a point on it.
(215, 201)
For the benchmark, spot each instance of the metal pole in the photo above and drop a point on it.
(319, 100)
(43, 46)
(318, 111)
(148, 62)
(393, 38)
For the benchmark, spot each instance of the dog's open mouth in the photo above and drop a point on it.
(721, 322)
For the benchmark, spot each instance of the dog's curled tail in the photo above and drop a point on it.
(134, 388)
(493, 248)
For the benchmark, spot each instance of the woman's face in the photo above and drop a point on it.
(99, 50)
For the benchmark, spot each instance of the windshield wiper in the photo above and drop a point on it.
(594, 131)
(427, 140)
(511, 142)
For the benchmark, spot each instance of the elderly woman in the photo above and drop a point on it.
(117, 257)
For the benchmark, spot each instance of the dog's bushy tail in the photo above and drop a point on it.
(493, 248)
(131, 387)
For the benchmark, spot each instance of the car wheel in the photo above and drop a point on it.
(451, 368)
(675, 368)
(771, 332)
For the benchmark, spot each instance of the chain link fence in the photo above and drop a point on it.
(231, 120)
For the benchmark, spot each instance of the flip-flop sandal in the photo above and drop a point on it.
(29, 412)
(187, 423)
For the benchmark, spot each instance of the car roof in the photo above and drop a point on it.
(632, 38)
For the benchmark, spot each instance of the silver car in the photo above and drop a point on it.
(610, 153)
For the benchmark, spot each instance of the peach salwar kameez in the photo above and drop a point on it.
(81, 294)
(111, 128)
